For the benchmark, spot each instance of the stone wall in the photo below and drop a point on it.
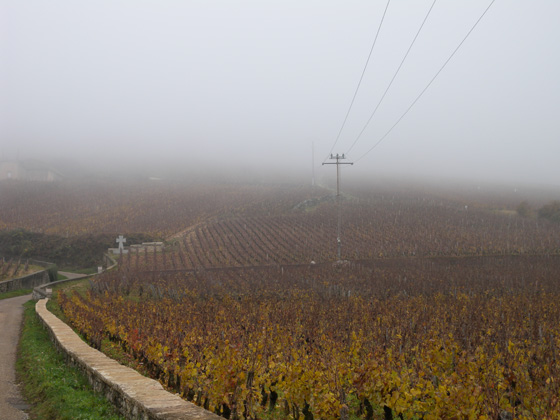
(40, 292)
(138, 248)
(135, 396)
(26, 282)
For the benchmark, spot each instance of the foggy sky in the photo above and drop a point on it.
(254, 83)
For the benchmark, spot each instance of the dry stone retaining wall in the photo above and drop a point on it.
(136, 396)
(25, 282)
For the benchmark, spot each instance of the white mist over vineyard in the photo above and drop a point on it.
(172, 164)
(247, 87)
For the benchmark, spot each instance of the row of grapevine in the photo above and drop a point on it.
(13, 268)
(369, 231)
(160, 209)
(417, 338)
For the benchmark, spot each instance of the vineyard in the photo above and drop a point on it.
(383, 230)
(420, 338)
(439, 309)
(11, 268)
(161, 210)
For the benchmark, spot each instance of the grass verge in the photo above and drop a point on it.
(15, 293)
(56, 390)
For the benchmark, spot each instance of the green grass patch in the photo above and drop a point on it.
(61, 277)
(53, 307)
(15, 293)
(80, 286)
(56, 390)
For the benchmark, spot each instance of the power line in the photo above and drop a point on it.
(428, 85)
(361, 78)
(394, 76)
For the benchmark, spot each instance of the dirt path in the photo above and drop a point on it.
(72, 276)
(11, 402)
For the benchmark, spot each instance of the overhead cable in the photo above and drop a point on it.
(394, 76)
(428, 85)
(361, 78)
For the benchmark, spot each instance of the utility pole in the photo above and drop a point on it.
(338, 162)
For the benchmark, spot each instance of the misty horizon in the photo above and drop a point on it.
(250, 87)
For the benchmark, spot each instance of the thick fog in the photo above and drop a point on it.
(253, 84)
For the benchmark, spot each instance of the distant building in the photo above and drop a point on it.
(28, 170)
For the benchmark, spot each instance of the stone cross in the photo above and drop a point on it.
(121, 240)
